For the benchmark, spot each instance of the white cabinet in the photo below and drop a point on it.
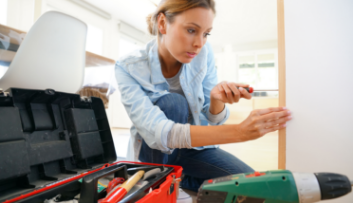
(318, 48)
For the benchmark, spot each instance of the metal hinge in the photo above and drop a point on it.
(86, 99)
(2, 93)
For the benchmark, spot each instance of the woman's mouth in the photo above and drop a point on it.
(191, 54)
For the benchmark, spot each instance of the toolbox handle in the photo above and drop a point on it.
(89, 192)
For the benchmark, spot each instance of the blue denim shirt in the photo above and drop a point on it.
(141, 84)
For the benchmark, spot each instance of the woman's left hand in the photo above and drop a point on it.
(228, 92)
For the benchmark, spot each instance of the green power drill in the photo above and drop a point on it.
(280, 186)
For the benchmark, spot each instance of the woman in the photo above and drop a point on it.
(170, 92)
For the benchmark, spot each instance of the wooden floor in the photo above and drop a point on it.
(260, 154)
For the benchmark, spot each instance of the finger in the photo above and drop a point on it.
(235, 91)
(275, 128)
(270, 110)
(275, 115)
(223, 96)
(220, 87)
(274, 123)
(228, 92)
(244, 93)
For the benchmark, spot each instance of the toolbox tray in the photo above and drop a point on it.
(87, 187)
(47, 136)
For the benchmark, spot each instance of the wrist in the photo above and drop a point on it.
(216, 106)
(239, 135)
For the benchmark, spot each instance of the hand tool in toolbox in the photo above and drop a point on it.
(129, 188)
(119, 193)
(280, 186)
(59, 145)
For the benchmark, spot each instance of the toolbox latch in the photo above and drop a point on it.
(49, 92)
(86, 99)
(174, 186)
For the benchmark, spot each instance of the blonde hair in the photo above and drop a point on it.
(171, 8)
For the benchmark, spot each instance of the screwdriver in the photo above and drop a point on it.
(251, 89)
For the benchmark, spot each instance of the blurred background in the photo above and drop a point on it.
(244, 39)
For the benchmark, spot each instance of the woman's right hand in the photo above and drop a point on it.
(263, 121)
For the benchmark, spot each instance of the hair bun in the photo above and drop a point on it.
(150, 23)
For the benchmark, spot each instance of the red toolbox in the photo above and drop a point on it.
(54, 143)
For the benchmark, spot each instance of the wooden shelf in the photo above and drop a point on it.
(92, 60)
(95, 60)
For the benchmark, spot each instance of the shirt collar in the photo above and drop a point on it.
(155, 65)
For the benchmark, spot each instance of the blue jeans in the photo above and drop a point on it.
(198, 165)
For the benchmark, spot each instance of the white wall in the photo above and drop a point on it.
(319, 70)
(226, 65)
(3, 12)
(20, 14)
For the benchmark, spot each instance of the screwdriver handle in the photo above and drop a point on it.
(249, 89)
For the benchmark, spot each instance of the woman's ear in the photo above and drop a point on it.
(162, 23)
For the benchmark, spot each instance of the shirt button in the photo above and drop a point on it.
(195, 111)
(189, 94)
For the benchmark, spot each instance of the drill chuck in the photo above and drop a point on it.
(333, 185)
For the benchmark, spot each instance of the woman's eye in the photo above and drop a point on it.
(207, 34)
(191, 30)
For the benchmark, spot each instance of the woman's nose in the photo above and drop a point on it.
(198, 42)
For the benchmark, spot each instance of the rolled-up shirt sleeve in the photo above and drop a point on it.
(149, 121)
(218, 117)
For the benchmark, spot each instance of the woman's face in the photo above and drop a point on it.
(185, 37)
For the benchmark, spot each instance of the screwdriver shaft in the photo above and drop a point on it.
(265, 90)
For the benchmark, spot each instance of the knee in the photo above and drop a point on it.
(174, 106)
(173, 101)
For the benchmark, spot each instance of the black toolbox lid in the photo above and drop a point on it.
(46, 136)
